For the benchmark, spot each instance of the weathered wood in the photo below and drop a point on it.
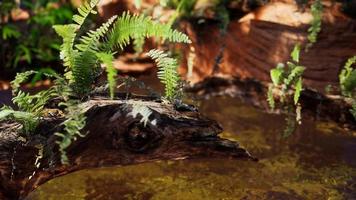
(113, 138)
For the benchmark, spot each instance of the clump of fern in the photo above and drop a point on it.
(347, 78)
(30, 107)
(82, 57)
(287, 80)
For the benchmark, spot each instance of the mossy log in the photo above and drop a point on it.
(113, 138)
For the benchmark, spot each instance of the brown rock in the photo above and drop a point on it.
(265, 37)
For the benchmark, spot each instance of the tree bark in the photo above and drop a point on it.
(113, 138)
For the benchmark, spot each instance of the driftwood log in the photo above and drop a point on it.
(114, 137)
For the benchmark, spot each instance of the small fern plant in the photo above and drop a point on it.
(347, 78)
(83, 55)
(287, 81)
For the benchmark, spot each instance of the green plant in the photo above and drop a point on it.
(167, 72)
(82, 57)
(287, 80)
(315, 28)
(347, 78)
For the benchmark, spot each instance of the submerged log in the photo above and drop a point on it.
(113, 138)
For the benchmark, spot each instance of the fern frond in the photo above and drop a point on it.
(315, 28)
(84, 10)
(139, 26)
(90, 42)
(83, 72)
(167, 72)
(107, 59)
(74, 123)
(20, 78)
(293, 76)
(270, 97)
(67, 54)
(347, 77)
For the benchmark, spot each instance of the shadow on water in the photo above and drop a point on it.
(317, 162)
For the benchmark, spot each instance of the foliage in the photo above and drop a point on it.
(74, 123)
(82, 56)
(287, 78)
(30, 106)
(167, 72)
(315, 28)
(347, 78)
(31, 42)
(81, 59)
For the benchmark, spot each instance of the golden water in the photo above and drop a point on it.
(317, 162)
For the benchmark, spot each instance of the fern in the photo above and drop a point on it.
(288, 78)
(167, 72)
(84, 11)
(90, 42)
(315, 28)
(347, 77)
(82, 62)
(107, 59)
(74, 123)
(138, 26)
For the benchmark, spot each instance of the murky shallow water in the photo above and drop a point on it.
(317, 162)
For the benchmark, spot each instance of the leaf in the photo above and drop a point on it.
(276, 74)
(298, 90)
(295, 53)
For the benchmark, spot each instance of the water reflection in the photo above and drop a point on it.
(317, 162)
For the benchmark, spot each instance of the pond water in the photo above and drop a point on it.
(317, 162)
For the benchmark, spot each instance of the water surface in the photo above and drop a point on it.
(317, 162)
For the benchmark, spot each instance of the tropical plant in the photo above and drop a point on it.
(287, 80)
(167, 72)
(82, 57)
(347, 78)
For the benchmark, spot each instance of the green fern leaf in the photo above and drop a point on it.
(84, 11)
(167, 72)
(68, 33)
(139, 26)
(298, 90)
(295, 53)
(90, 42)
(277, 74)
(107, 59)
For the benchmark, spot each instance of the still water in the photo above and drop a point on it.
(317, 162)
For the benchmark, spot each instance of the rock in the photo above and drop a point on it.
(261, 39)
